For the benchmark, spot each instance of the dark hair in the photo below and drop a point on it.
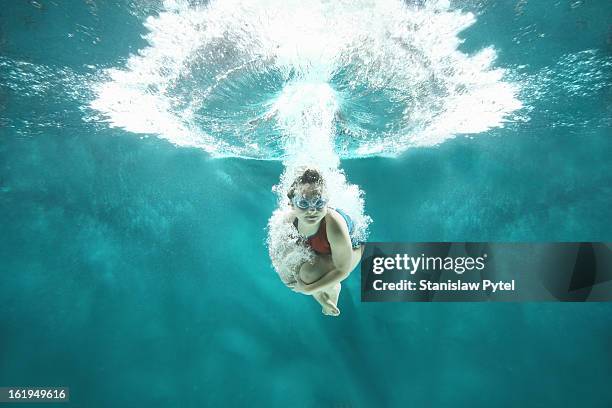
(310, 176)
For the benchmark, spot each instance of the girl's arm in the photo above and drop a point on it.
(342, 253)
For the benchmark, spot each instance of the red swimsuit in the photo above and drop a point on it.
(318, 242)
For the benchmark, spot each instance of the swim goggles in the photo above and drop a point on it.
(303, 204)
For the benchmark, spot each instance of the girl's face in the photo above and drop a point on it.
(309, 203)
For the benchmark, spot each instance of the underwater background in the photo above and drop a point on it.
(133, 258)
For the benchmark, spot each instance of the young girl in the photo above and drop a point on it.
(328, 233)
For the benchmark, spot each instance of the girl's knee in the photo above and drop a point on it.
(308, 273)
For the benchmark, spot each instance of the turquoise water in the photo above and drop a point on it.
(135, 271)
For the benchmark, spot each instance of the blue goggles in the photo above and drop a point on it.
(303, 204)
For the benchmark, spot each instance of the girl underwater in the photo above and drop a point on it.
(328, 232)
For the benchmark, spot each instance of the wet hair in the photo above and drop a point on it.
(310, 176)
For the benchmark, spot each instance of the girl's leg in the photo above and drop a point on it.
(322, 264)
(311, 272)
(334, 293)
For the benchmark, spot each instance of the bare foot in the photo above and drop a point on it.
(328, 306)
